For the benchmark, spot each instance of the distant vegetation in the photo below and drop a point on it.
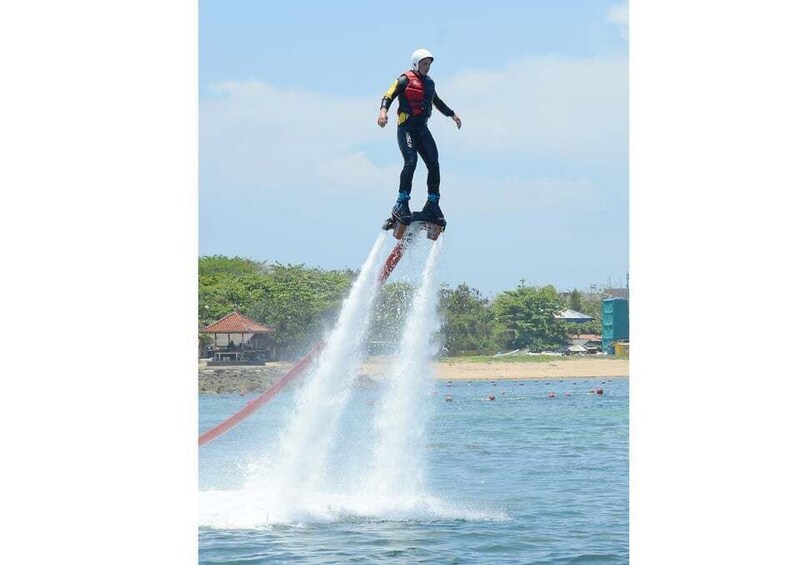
(301, 303)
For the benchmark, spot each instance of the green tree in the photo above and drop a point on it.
(527, 315)
(590, 327)
(468, 324)
(575, 300)
(300, 304)
(221, 265)
(220, 294)
(227, 284)
(592, 301)
(295, 300)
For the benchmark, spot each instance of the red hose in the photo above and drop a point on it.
(267, 395)
(391, 261)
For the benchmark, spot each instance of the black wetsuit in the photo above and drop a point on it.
(413, 135)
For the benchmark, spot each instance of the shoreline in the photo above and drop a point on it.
(244, 379)
(559, 367)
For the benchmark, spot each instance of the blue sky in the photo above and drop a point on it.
(293, 167)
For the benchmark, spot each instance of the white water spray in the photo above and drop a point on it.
(297, 484)
(301, 464)
(398, 470)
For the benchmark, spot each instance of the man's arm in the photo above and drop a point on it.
(445, 109)
(394, 91)
(441, 106)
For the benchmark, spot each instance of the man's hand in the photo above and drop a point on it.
(383, 117)
(457, 120)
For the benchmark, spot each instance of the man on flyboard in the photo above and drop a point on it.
(416, 94)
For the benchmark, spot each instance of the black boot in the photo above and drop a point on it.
(432, 212)
(401, 212)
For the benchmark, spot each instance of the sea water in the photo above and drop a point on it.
(525, 478)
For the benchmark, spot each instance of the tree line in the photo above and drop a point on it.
(301, 304)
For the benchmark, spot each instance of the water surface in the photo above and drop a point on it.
(526, 478)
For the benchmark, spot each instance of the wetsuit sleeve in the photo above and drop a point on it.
(442, 107)
(394, 91)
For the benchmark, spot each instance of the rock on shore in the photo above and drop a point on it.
(239, 379)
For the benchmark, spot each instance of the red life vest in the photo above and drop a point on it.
(414, 93)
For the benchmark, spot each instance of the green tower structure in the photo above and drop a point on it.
(615, 322)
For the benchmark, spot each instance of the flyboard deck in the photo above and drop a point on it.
(431, 227)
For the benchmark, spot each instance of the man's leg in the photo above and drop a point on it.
(408, 148)
(426, 146)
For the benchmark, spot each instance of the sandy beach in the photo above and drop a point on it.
(244, 379)
(559, 367)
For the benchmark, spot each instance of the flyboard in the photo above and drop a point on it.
(433, 228)
(401, 232)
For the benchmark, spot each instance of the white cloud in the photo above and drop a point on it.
(575, 107)
(619, 15)
(254, 134)
(514, 193)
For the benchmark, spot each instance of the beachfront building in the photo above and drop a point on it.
(238, 339)
(573, 316)
(584, 344)
(616, 324)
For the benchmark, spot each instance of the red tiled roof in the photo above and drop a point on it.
(236, 323)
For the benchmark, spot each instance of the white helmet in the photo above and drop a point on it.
(418, 56)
